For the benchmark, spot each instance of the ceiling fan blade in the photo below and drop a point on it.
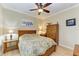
(37, 4)
(33, 9)
(39, 13)
(41, 5)
(47, 11)
(47, 4)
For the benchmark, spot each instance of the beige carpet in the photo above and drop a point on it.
(61, 51)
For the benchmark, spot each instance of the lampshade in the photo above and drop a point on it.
(10, 31)
(40, 28)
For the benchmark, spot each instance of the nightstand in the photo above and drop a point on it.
(43, 35)
(9, 45)
(76, 50)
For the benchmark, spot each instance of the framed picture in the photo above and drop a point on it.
(27, 23)
(71, 22)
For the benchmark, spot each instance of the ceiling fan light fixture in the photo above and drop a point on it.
(40, 10)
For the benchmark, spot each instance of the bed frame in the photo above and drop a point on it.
(50, 50)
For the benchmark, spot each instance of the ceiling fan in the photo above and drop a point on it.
(41, 8)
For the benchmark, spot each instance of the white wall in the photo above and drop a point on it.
(12, 20)
(68, 35)
(1, 21)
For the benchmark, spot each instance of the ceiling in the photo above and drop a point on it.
(24, 7)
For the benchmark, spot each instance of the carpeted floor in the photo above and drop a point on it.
(61, 51)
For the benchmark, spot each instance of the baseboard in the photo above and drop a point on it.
(66, 46)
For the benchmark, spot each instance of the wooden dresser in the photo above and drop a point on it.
(53, 32)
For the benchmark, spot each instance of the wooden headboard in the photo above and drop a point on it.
(22, 32)
(53, 32)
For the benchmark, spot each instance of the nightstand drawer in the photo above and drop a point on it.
(11, 44)
(11, 48)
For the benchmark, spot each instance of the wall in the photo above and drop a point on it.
(1, 21)
(12, 20)
(68, 36)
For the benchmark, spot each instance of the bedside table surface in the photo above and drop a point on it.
(10, 40)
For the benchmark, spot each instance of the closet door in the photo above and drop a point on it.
(52, 32)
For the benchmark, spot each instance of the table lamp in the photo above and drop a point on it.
(10, 32)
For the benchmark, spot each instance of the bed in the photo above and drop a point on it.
(30, 44)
